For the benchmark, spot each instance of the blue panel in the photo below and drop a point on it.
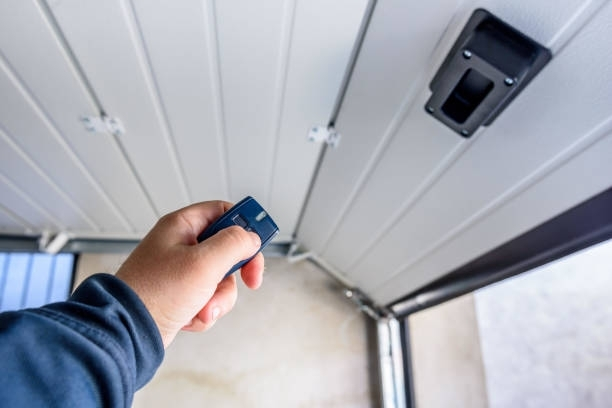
(40, 277)
(34, 279)
(14, 281)
(3, 273)
(62, 278)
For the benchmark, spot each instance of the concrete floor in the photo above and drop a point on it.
(296, 342)
(541, 339)
(547, 335)
(447, 365)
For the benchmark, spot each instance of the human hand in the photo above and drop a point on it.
(179, 280)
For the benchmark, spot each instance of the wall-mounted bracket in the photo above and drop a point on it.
(103, 124)
(52, 244)
(324, 134)
(487, 67)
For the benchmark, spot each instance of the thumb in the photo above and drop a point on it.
(226, 248)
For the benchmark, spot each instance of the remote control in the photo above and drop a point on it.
(249, 215)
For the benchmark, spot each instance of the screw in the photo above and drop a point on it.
(430, 109)
(467, 54)
(348, 293)
(465, 132)
(509, 81)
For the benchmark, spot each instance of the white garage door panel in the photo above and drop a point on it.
(593, 168)
(414, 158)
(43, 143)
(250, 36)
(106, 40)
(64, 100)
(241, 83)
(551, 24)
(235, 107)
(391, 57)
(24, 208)
(216, 97)
(390, 204)
(507, 154)
(21, 171)
(12, 224)
(380, 93)
(422, 150)
(180, 40)
(316, 63)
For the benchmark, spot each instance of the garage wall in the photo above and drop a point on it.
(405, 200)
(216, 98)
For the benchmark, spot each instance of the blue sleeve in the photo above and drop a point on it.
(94, 350)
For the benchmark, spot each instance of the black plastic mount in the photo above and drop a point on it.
(487, 67)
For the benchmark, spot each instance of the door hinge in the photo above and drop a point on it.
(102, 124)
(324, 134)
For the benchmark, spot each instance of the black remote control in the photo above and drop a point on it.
(251, 216)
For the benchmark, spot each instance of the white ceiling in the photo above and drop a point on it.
(216, 98)
(404, 199)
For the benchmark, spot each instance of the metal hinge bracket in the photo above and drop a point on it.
(324, 134)
(103, 124)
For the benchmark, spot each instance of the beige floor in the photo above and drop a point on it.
(296, 342)
(547, 335)
(447, 365)
(541, 339)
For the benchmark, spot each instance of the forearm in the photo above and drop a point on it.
(94, 350)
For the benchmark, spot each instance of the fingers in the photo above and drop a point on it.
(252, 272)
(178, 278)
(200, 215)
(225, 249)
(220, 303)
(195, 218)
(224, 298)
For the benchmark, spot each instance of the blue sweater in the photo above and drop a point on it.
(94, 350)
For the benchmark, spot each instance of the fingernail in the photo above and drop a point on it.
(215, 313)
